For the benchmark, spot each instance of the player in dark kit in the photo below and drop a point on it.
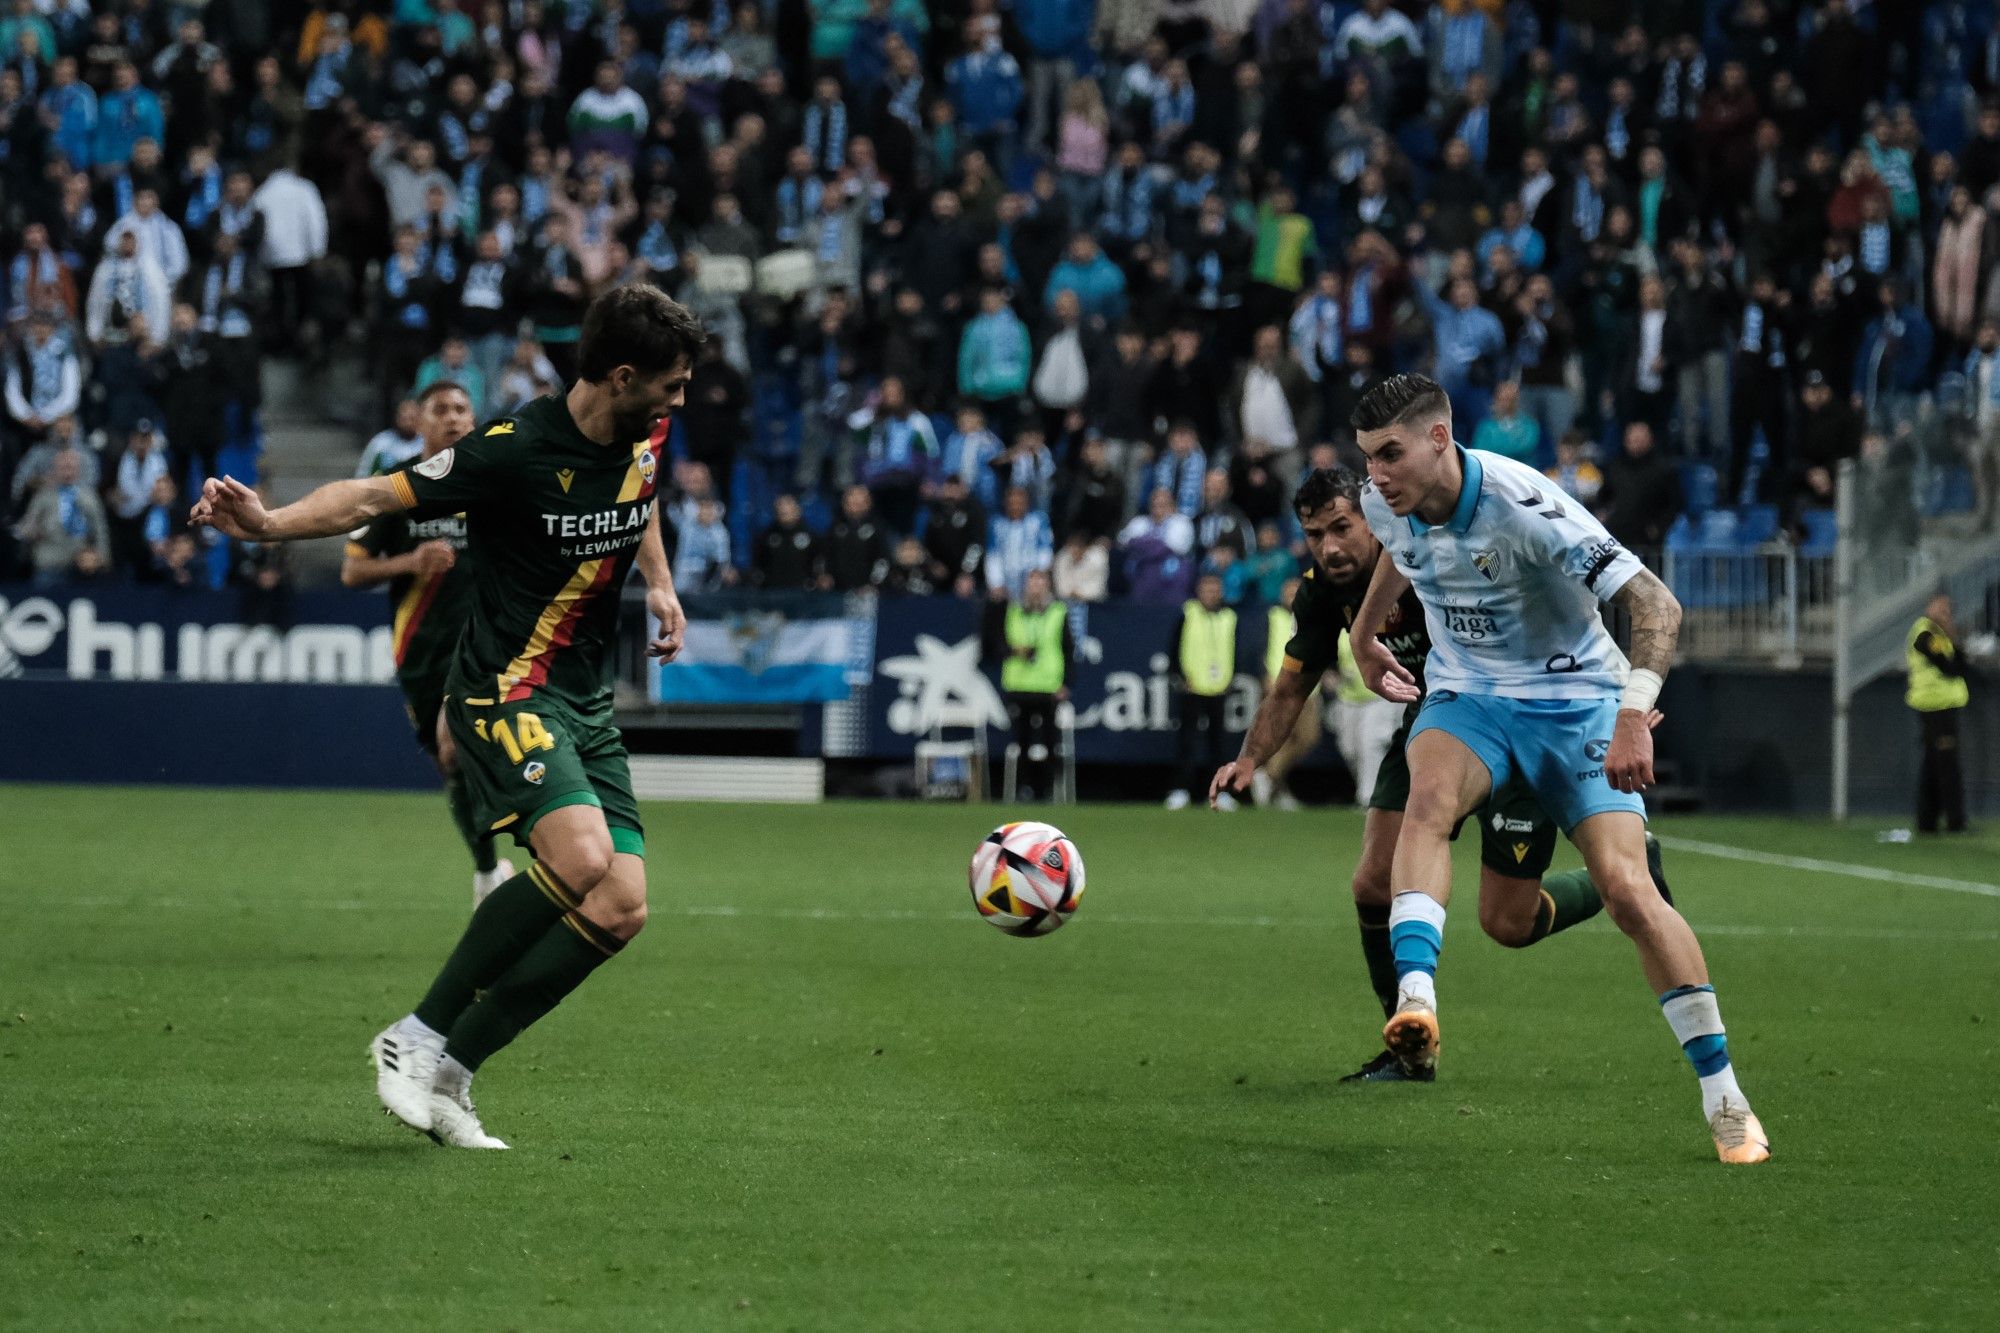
(1520, 903)
(430, 590)
(559, 506)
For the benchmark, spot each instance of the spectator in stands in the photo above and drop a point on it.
(1828, 431)
(954, 530)
(1506, 431)
(529, 374)
(1982, 380)
(1644, 373)
(1760, 383)
(994, 359)
(126, 114)
(701, 556)
(1574, 471)
(1118, 407)
(32, 472)
(39, 279)
(1026, 463)
(393, 445)
(1018, 541)
(1273, 399)
(44, 380)
(64, 528)
(910, 571)
(899, 452)
(1186, 387)
(1096, 282)
(1093, 497)
(1182, 470)
(1224, 563)
(1641, 495)
(608, 117)
(857, 546)
(1469, 345)
(126, 283)
(141, 466)
(453, 362)
(1219, 522)
(970, 452)
(790, 556)
(1893, 359)
(1062, 377)
(1082, 569)
(294, 241)
(194, 394)
(160, 238)
(985, 88)
(1155, 551)
(1271, 566)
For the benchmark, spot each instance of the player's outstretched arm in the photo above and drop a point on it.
(662, 602)
(232, 508)
(1274, 721)
(1380, 671)
(1656, 629)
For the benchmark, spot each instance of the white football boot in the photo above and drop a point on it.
(454, 1120)
(485, 881)
(406, 1056)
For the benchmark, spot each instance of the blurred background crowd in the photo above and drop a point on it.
(1003, 285)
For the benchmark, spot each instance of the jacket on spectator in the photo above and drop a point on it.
(954, 536)
(1640, 498)
(294, 220)
(789, 558)
(120, 287)
(122, 120)
(994, 357)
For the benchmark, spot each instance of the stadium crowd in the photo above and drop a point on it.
(1000, 285)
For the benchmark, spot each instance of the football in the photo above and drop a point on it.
(1026, 878)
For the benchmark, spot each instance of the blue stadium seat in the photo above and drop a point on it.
(1822, 532)
(1699, 485)
(1756, 524)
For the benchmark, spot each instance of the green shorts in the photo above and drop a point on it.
(423, 698)
(522, 760)
(1516, 837)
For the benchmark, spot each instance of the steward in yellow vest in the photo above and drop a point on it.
(1938, 693)
(1031, 640)
(1202, 654)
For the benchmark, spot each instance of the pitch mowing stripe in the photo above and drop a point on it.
(1727, 853)
(723, 911)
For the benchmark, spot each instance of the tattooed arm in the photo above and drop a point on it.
(1656, 627)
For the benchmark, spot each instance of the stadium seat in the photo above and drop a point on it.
(1822, 531)
(1756, 524)
(1699, 486)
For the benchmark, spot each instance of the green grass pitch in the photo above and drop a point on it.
(821, 1094)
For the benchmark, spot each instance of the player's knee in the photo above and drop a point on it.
(1632, 902)
(582, 863)
(627, 919)
(1371, 886)
(1507, 929)
(1431, 811)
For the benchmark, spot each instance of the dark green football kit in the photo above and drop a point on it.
(554, 522)
(1516, 838)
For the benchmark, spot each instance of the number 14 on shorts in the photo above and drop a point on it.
(523, 737)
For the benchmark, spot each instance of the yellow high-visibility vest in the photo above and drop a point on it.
(1208, 649)
(1931, 691)
(1041, 630)
(1282, 626)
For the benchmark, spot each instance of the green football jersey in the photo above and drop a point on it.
(554, 521)
(429, 610)
(1324, 610)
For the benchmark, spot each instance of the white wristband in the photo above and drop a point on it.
(1642, 691)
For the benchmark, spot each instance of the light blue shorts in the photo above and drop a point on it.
(1556, 745)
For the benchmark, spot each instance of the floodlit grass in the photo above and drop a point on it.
(820, 1093)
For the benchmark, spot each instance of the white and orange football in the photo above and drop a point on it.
(1026, 878)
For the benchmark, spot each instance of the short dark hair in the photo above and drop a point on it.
(1398, 399)
(436, 387)
(640, 326)
(1322, 486)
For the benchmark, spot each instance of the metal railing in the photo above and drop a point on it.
(1767, 603)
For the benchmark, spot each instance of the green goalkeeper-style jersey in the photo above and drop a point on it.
(428, 609)
(554, 521)
(1324, 610)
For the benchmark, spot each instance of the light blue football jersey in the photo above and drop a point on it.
(1510, 585)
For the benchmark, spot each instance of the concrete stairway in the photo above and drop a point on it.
(315, 424)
